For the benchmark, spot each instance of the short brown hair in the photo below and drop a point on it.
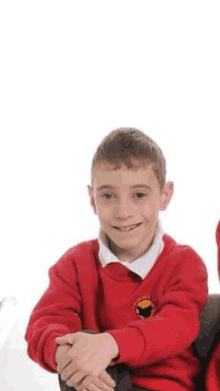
(133, 148)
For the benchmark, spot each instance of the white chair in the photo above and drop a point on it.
(7, 317)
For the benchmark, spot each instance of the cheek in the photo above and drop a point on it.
(151, 208)
(147, 210)
(104, 213)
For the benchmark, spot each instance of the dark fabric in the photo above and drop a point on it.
(118, 373)
(208, 337)
(217, 235)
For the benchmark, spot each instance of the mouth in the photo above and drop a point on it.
(128, 228)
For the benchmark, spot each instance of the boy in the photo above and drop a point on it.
(139, 290)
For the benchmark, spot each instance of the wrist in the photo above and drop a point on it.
(113, 345)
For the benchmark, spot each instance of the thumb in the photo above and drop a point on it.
(65, 339)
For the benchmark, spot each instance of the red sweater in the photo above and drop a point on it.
(213, 372)
(154, 321)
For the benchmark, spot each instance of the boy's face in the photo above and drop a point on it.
(128, 198)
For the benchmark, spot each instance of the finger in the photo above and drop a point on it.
(62, 342)
(65, 339)
(68, 373)
(60, 338)
(98, 385)
(80, 380)
(62, 364)
(93, 387)
(107, 379)
(61, 355)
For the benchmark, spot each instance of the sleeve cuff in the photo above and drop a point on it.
(130, 343)
(50, 349)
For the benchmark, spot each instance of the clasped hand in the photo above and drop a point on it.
(88, 357)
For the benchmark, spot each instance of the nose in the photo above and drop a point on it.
(124, 209)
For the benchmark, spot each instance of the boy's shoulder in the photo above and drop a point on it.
(85, 251)
(79, 249)
(181, 255)
(175, 247)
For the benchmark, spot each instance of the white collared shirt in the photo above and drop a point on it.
(140, 266)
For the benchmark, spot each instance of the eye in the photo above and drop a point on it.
(142, 194)
(106, 194)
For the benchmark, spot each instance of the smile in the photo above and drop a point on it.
(128, 228)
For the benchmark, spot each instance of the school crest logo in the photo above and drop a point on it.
(144, 307)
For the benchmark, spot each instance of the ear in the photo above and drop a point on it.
(166, 195)
(92, 199)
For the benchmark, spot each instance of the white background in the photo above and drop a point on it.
(70, 72)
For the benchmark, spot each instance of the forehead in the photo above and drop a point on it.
(106, 174)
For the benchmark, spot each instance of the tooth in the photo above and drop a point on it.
(128, 228)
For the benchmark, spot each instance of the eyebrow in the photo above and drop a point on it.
(133, 186)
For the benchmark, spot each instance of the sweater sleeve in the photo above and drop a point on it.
(213, 371)
(175, 324)
(57, 313)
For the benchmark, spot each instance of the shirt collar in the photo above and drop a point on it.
(140, 266)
